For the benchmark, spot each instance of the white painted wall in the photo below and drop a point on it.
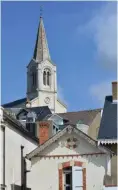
(13, 141)
(43, 91)
(110, 188)
(45, 170)
(35, 102)
(1, 155)
(83, 128)
(60, 108)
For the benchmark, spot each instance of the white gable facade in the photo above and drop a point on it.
(68, 158)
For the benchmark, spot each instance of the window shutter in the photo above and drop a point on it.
(77, 178)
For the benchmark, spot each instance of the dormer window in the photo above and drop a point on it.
(55, 129)
(31, 123)
(31, 117)
(30, 120)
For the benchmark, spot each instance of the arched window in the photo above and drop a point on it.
(48, 78)
(44, 77)
(34, 78)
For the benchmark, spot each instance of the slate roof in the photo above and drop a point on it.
(16, 103)
(41, 111)
(41, 51)
(108, 125)
(18, 125)
(13, 110)
(86, 116)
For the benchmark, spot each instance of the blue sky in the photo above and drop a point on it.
(82, 42)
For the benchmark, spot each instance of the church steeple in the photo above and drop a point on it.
(41, 51)
(42, 76)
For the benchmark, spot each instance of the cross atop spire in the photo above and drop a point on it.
(41, 51)
(41, 12)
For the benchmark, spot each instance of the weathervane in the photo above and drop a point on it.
(41, 11)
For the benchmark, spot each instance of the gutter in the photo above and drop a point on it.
(69, 155)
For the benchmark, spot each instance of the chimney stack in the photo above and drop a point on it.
(45, 131)
(114, 90)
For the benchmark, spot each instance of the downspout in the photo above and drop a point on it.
(22, 168)
(24, 171)
(54, 90)
(3, 186)
(4, 157)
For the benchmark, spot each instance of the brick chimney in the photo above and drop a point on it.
(45, 131)
(114, 90)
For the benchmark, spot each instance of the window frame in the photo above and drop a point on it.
(68, 164)
(47, 77)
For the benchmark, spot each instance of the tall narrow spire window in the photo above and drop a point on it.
(44, 77)
(34, 78)
(48, 78)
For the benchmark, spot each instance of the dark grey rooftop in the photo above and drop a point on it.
(16, 103)
(108, 125)
(41, 112)
(18, 125)
(85, 116)
(17, 107)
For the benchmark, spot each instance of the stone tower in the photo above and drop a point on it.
(42, 75)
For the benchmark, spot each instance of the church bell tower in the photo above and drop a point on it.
(41, 74)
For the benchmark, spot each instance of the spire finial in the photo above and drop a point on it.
(41, 11)
(41, 51)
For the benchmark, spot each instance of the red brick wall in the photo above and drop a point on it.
(67, 164)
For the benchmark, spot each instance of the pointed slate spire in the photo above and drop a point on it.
(41, 51)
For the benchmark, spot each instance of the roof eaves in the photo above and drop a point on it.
(14, 102)
(68, 129)
(61, 103)
(17, 124)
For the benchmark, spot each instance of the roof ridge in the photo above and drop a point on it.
(82, 111)
(13, 101)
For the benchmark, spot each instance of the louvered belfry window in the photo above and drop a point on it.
(44, 77)
(47, 77)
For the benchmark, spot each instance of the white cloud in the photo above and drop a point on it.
(99, 91)
(102, 28)
(60, 94)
